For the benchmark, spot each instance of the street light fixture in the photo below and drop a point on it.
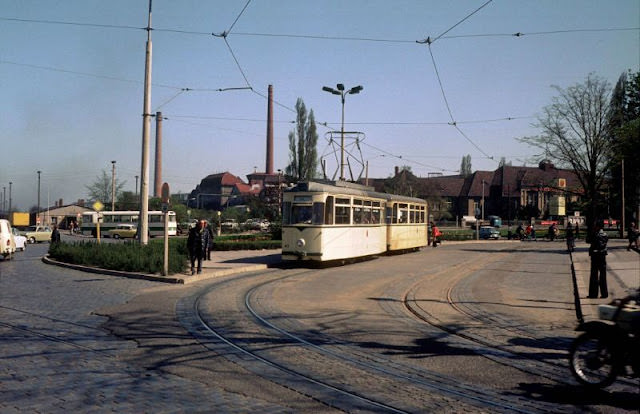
(113, 185)
(342, 93)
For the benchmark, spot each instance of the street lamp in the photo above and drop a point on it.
(113, 186)
(342, 93)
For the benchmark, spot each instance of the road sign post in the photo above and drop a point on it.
(98, 206)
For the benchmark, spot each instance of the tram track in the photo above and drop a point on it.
(329, 369)
(492, 332)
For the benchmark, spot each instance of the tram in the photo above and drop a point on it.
(325, 221)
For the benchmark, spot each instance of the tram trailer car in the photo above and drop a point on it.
(325, 221)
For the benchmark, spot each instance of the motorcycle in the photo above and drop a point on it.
(608, 346)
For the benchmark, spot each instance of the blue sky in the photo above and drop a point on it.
(72, 94)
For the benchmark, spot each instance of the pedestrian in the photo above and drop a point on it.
(197, 243)
(577, 232)
(71, 228)
(633, 234)
(210, 244)
(435, 234)
(55, 235)
(571, 244)
(598, 253)
(520, 232)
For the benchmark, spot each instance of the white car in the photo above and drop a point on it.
(21, 241)
(7, 244)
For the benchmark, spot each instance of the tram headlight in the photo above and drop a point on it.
(301, 243)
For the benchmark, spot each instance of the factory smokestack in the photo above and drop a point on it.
(157, 182)
(269, 166)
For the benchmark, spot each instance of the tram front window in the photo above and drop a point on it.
(301, 215)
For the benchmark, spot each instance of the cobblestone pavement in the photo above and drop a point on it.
(56, 358)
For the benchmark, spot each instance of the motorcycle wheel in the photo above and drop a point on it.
(592, 360)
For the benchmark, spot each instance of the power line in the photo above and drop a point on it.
(237, 18)
(319, 37)
(460, 22)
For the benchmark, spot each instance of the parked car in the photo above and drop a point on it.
(488, 232)
(257, 224)
(122, 231)
(21, 241)
(7, 243)
(37, 234)
(229, 224)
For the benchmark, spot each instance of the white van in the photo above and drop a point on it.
(7, 243)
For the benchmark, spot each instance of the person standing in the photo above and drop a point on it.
(197, 244)
(210, 244)
(633, 235)
(598, 254)
(571, 243)
(55, 235)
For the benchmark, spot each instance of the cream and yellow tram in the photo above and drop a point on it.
(324, 221)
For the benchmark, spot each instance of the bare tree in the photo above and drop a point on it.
(575, 133)
(100, 189)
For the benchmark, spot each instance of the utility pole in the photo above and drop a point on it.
(622, 226)
(113, 186)
(143, 224)
(10, 184)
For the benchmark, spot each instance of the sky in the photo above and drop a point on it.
(72, 81)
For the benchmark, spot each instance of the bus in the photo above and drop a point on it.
(111, 219)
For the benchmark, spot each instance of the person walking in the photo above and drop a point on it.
(435, 234)
(197, 244)
(633, 235)
(598, 254)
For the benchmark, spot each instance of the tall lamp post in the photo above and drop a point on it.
(342, 93)
(113, 186)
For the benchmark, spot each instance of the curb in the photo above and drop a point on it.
(174, 279)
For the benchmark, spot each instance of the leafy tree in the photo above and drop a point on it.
(575, 133)
(465, 166)
(303, 155)
(100, 189)
(625, 143)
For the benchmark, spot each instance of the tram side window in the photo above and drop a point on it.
(328, 211)
(318, 213)
(343, 211)
(403, 213)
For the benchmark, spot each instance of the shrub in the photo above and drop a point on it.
(129, 256)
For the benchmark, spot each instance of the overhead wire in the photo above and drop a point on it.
(317, 37)
(428, 41)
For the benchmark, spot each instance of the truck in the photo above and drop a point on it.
(19, 219)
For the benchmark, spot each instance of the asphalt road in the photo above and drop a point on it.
(474, 327)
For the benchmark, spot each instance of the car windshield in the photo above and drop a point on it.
(31, 228)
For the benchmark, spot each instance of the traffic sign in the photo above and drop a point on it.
(165, 193)
(98, 206)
